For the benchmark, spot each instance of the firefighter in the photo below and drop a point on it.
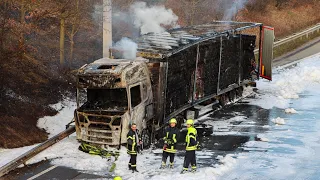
(170, 141)
(191, 147)
(133, 144)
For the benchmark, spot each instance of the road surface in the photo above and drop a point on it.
(306, 50)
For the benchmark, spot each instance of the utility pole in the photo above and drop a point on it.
(107, 27)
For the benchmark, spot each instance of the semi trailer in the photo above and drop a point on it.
(173, 72)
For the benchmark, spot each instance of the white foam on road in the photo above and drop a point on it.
(290, 111)
(293, 146)
(262, 138)
(66, 153)
(278, 121)
(149, 163)
(287, 84)
(7, 155)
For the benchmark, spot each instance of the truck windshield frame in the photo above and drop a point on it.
(103, 99)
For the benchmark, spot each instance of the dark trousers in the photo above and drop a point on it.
(133, 161)
(190, 158)
(165, 156)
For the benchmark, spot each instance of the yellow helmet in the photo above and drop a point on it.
(117, 178)
(173, 120)
(190, 122)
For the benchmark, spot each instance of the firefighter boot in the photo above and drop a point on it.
(163, 165)
(194, 169)
(171, 166)
(184, 170)
(134, 169)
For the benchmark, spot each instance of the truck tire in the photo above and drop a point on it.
(224, 99)
(146, 138)
(239, 92)
(232, 95)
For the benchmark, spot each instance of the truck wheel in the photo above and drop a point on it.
(232, 95)
(223, 100)
(146, 138)
(239, 92)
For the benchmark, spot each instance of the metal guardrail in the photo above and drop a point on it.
(297, 35)
(294, 37)
(34, 151)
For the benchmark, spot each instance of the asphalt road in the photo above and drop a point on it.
(48, 171)
(311, 48)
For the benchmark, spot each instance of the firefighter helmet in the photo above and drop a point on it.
(117, 178)
(173, 120)
(190, 122)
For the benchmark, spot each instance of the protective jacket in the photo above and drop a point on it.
(191, 139)
(132, 142)
(170, 139)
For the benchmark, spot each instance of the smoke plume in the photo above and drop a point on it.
(127, 48)
(141, 19)
(237, 5)
(153, 18)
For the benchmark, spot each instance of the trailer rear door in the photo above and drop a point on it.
(266, 52)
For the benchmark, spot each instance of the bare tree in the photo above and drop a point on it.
(191, 9)
(80, 19)
(75, 28)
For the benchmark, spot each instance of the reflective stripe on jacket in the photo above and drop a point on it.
(171, 135)
(191, 139)
(132, 142)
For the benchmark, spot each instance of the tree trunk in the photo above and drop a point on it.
(71, 48)
(72, 34)
(2, 29)
(62, 39)
(193, 12)
(22, 21)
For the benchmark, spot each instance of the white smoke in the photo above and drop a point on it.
(145, 18)
(127, 48)
(152, 19)
(237, 5)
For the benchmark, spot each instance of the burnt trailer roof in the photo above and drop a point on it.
(158, 46)
(162, 45)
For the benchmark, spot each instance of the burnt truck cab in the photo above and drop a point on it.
(112, 94)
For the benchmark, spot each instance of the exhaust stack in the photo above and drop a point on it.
(107, 27)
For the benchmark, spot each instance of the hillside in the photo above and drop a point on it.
(287, 18)
(27, 88)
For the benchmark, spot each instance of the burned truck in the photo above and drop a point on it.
(174, 71)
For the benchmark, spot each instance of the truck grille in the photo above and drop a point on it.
(100, 129)
(99, 119)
